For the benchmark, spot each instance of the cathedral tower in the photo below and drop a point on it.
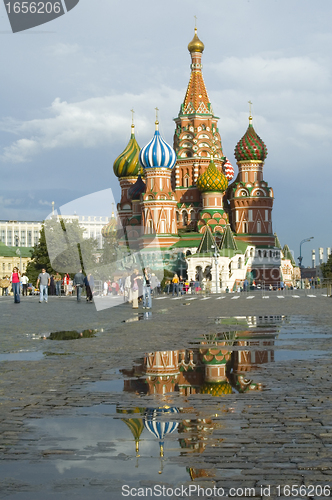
(158, 201)
(196, 140)
(126, 167)
(250, 197)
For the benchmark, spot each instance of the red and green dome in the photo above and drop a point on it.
(127, 164)
(212, 180)
(251, 146)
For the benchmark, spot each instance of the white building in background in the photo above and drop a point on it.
(26, 233)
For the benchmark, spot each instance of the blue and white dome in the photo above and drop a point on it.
(158, 427)
(157, 154)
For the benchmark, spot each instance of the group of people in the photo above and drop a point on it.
(48, 284)
(180, 286)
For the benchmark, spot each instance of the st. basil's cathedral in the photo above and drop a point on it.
(187, 197)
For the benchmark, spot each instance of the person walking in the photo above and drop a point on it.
(5, 284)
(175, 282)
(66, 280)
(78, 283)
(134, 288)
(88, 289)
(147, 300)
(52, 285)
(57, 281)
(15, 279)
(127, 289)
(25, 282)
(91, 283)
(44, 279)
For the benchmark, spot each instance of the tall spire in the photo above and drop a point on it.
(196, 99)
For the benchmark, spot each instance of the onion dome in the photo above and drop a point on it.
(158, 427)
(136, 189)
(212, 179)
(157, 154)
(110, 228)
(216, 389)
(228, 170)
(251, 146)
(195, 45)
(127, 164)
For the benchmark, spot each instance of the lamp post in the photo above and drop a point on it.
(301, 258)
(216, 255)
(18, 251)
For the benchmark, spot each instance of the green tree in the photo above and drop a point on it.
(327, 268)
(39, 259)
(62, 248)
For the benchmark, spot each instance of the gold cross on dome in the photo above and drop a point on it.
(156, 113)
(195, 22)
(250, 104)
(132, 116)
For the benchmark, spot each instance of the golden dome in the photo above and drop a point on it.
(212, 180)
(195, 45)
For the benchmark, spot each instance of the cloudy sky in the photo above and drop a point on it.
(68, 87)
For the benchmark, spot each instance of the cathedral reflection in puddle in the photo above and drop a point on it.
(219, 365)
(172, 405)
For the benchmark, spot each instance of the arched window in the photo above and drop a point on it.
(239, 263)
(177, 217)
(259, 228)
(184, 218)
(186, 181)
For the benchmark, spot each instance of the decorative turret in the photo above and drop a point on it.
(157, 153)
(127, 164)
(251, 198)
(212, 180)
(158, 201)
(251, 146)
(127, 168)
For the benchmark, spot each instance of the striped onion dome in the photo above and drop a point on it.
(158, 427)
(251, 146)
(136, 189)
(110, 227)
(127, 164)
(212, 179)
(228, 170)
(157, 154)
(136, 425)
(216, 388)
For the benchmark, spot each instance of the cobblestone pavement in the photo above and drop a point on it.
(280, 436)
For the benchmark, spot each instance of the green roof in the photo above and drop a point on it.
(277, 242)
(288, 255)
(208, 243)
(11, 251)
(228, 240)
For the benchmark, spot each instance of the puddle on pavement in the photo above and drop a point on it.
(164, 411)
(139, 317)
(22, 356)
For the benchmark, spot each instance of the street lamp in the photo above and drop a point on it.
(216, 255)
(18, 252)
(301, 258)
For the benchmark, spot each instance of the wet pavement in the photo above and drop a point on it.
(228, 395)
